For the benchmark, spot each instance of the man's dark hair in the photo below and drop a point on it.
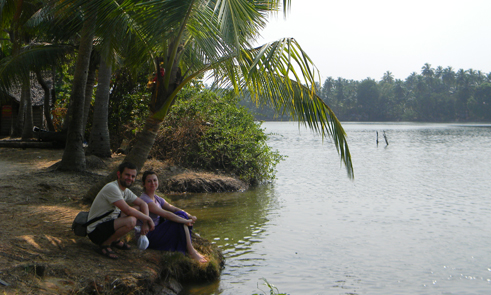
(126, 165)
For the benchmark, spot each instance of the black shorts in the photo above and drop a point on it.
(102, 232)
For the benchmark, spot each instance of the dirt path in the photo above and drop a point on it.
(18, 161)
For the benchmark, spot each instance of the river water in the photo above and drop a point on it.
(415, 220)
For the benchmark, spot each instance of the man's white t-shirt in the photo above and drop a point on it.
(104, 202)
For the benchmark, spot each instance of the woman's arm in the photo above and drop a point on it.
(168, 215)
(168, 207)
(173, 209)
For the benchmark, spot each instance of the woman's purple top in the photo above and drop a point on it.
(158, 201)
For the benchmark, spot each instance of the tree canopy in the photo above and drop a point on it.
(183, 40)
(435, 95)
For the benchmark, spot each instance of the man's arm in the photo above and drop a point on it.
(143, 206)
(126, 209)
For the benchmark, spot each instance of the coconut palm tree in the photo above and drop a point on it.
(439, 72)
(75, 158)
(427, 71)
(27, 51)
(189, 38)
(13, 18)
(388, 77)
(462, 78)
(117, 46)
(448, 77)
(327, 87)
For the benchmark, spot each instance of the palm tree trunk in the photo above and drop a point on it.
(138, 154)
(144, 142)
(74, 156)
(89, 87)
(18, 125)
(46, 108)
(99, 143)
(28, 122)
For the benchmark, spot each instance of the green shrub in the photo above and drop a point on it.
(211, 132)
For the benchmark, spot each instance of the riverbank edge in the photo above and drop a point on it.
(59, 266)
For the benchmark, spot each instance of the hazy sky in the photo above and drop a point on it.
(356, 39)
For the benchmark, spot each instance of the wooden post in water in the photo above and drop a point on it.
(385, 137)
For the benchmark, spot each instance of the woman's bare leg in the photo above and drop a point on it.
(192, 252)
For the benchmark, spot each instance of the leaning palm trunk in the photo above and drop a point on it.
(160, 104)
(138, 154)
(145, 140)
(196, 36)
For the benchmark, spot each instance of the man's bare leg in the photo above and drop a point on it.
(122, 226)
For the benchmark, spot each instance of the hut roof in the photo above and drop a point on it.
(37, 92)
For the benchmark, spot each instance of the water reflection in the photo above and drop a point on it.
(232, 221)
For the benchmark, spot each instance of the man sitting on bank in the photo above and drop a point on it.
(115, 197)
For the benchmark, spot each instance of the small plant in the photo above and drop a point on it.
(272, 289)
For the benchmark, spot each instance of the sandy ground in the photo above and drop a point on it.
(39, 254)
(18, 161)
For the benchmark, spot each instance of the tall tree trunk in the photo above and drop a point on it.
(74, 156)
(28, 122)
(15, 38)
(138, 154)
(19, 122)
(145, 139)
(47, 107)
(99, 143)
(89, 88)
(53, 88)
(68, 115)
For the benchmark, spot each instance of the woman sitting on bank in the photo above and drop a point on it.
(172, 225)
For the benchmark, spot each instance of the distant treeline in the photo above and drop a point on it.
(435, 95)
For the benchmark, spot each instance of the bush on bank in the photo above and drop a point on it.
(208, 131)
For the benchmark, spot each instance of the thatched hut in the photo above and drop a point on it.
(10, 105)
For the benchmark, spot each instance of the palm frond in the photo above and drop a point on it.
(240, 21)
(54, 26)
(281, 75)
(7, 11)
(15, 69)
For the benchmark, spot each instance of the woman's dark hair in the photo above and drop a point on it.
(145, 174)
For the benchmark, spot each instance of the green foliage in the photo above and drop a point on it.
(368, 98)
(128, 105)
(272, 289)
(62, 89)
(435, 95)
(207, 131)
